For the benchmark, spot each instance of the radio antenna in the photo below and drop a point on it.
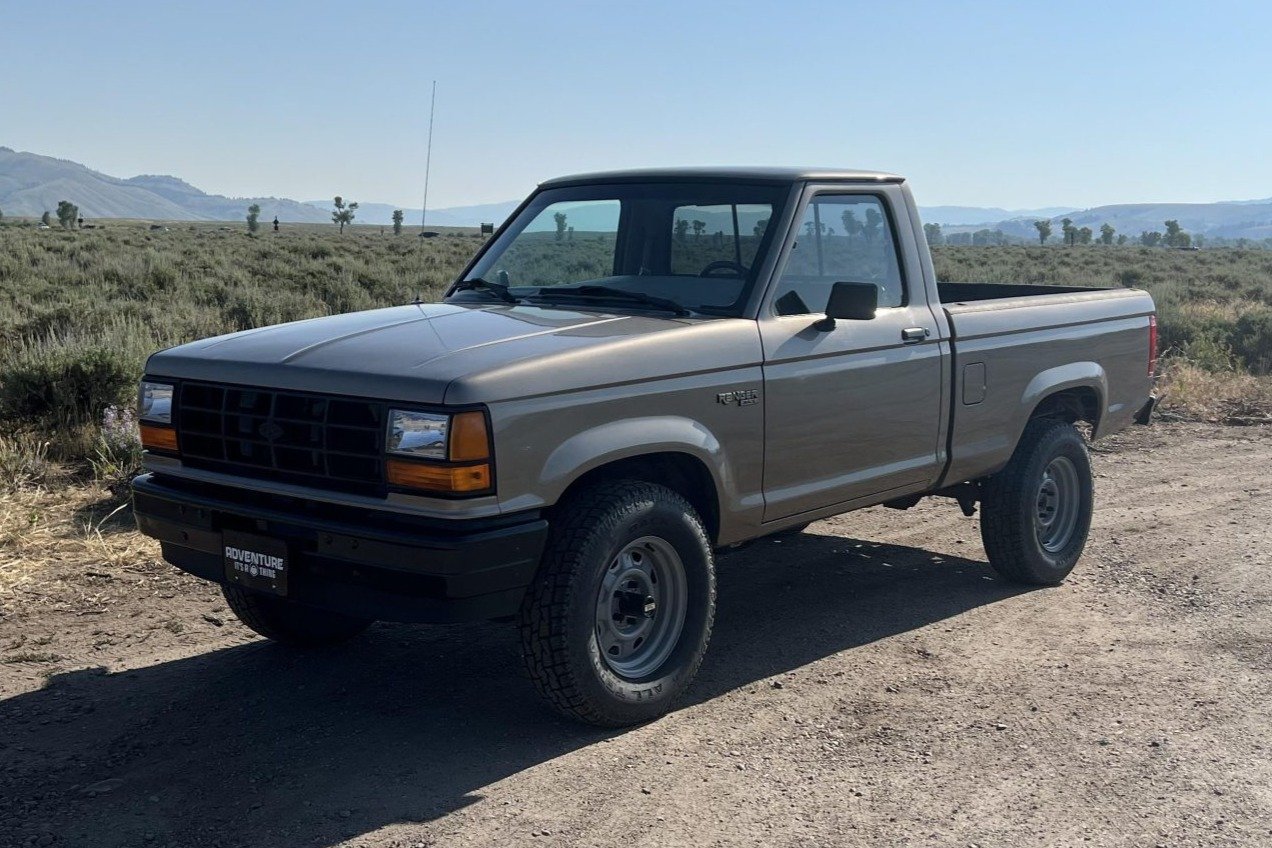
(428, 156)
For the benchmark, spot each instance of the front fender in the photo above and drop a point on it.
(617, 440)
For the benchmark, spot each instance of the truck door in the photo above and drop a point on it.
(854, 411)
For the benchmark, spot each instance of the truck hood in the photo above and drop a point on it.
(445, 353)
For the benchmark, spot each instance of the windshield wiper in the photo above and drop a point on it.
(499, 290)
(609, 293)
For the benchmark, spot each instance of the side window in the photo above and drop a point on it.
(724, 236)
(566, 243)
(843, 238)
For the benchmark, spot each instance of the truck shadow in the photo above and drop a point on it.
(255, 745)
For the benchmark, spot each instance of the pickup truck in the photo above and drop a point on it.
(638, 370)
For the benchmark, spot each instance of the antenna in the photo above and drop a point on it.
(428, 157)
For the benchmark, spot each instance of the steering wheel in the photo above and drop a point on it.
(723, 264)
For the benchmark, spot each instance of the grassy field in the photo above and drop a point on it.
(80, 311)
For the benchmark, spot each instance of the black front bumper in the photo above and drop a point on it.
(364, 562)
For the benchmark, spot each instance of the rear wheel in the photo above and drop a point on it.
(618, 618)
(290, 623)
(1036, 512)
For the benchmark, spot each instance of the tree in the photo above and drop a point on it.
(398, 217)
(1106, 233)
(1121, 239)
(852, 227)
(343, 212)
(760, 226)
(871, 227)
(67, 212)
(682, 229)
(1044, 231)
(1083, 236)
(699, 227)
(1150, 239)
(560, 225)
(1175, 235)
(46, 219)
(253, 217)
(1070, 232)
(932, 232)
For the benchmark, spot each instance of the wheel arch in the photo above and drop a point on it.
(680, 471)
(1073, 392)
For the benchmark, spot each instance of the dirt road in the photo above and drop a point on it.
(869, 683)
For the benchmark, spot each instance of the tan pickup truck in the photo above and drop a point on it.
(639, 370)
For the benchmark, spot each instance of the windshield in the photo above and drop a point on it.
(679, 246)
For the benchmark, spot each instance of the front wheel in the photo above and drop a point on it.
(1036, 512)
(618, 618)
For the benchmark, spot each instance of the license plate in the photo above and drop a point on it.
(255, 562)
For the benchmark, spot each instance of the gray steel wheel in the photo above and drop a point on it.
(1058, 505)
(1036, 512)
(641, 607)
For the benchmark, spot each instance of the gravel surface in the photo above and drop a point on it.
(870, 682)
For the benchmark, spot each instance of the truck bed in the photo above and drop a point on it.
(1012, 343)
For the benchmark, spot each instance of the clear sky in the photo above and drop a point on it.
(1013, 104)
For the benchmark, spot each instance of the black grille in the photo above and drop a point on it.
(314, 440)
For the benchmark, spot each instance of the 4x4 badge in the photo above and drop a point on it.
(740, 397)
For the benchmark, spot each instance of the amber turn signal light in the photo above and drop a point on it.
(449, 479)
(158, 438)
(469, 438)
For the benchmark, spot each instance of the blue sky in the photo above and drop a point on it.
(992, 104)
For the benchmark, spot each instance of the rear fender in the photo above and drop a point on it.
(1074, 375)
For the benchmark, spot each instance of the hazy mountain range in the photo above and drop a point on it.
(30, 184)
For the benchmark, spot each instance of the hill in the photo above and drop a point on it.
(31, 184)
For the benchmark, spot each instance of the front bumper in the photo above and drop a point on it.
(362, 562)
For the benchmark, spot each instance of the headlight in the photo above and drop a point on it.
(418, 434)
(440, 454)
(154, 403)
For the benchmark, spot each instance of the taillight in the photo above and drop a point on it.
(1152, 345)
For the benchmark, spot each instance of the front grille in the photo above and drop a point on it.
(313, 440)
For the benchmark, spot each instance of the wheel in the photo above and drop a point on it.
(617, 620)
(1036, 512)
(290, 623)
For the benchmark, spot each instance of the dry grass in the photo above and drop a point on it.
(66, 528)
(1191, 392)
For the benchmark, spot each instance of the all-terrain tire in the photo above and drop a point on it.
(1051, 458)
(560, 625)
(290, 623)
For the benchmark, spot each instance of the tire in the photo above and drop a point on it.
(1036, 512)
(290, 623)
(617, 620)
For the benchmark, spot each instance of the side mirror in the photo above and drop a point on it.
(851, 302)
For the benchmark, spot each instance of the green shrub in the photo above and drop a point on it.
(60, 383)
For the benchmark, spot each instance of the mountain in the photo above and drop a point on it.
(969, 215)
(452, 216)
(31, 184)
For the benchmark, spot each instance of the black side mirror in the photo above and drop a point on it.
(851, 302)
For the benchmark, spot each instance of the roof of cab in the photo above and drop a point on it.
(720, 174)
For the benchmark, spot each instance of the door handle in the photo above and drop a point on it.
(913, 335)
